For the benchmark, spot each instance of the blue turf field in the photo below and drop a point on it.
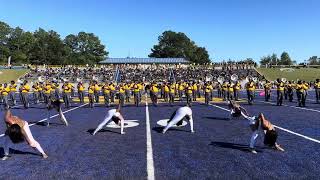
(217, 150)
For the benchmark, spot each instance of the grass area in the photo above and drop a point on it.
(6, 75)
(307, 74)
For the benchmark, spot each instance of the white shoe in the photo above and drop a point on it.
(253, 151)
(44, 156)
(123, 133)
(5, 157)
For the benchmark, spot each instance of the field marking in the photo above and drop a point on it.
(281, 128)
(32, 124)
(303, 108)
(150, 164)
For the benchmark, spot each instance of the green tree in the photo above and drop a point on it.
(85, 48)
(314, 60)
(5, 30)
(265, 60)
(20, 44)
(48, 48)
(177, 45)
(274, 59)
(285, 59)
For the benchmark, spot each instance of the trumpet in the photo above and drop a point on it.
(19, 81)
(94, 78)
(220, 79)
(248, 78)
(255, 79)
(209, 77)
(41, 79)
(65, 79)
(234, 77)
(79, 79)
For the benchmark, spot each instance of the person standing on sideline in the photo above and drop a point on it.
(317, 90)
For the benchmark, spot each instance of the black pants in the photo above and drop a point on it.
(207, 97)
(46, 98)
(166, 96)
(189, 98)
(250, 96)
(280, 97)
(128, 96)
(224, 95)
(91, 100)
(267, 94)
(36, 97)
(121, 99)
(171, 98)
(136, 96)
(286, 94)
(290, 95)
(270, 138)
(194, 95)
(96, 96)
(180, 94)
(318, 95)
(301, 99)
(66, 99)
(112, 94)
(236, 95)
(12, 97)
(219, 93)
(81, 96)
(230, 95)
(25, 99)
(5, 101)
(154, 98)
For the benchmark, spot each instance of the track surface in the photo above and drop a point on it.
(218, 148)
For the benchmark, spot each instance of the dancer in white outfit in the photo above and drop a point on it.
(178, 116)
(114, 115)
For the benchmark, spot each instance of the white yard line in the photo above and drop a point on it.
(150, 164)
(281, 128)
(1, 135)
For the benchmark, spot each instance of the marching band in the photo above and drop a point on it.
(43, 90)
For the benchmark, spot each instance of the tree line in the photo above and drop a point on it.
(47, 47)
(285, 59)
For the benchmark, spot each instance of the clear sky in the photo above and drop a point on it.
(234, 29)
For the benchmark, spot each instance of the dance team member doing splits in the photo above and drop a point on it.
(236, 110)
(56, 104)
(18, 130)
(115, 116)
(271, 135)
(178, 116)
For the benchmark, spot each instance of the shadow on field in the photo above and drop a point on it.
(44, 123)
(159, 129)
(241, 147)
(218, 118)
(13, 151)
(102, 130)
